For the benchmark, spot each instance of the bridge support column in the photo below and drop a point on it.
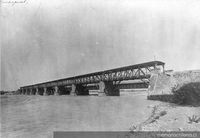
(37, 91)
(45, 91)
(101, 89)
(108, 88)
(22, 92)
(56, 90)
(28, 91)
(73, 90)
(25, 91)
(31, 92)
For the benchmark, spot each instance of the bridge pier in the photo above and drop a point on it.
(22, 92)
(101, 89)
(25, 91)
(73, 90)
(37, 91)
(28, 91)
(79, 89)
(56, 90)
(31, 92)
(108, 88)
(45, 91)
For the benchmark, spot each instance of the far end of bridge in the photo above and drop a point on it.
(108, 82)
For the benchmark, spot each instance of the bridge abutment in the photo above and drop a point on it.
(108, 88)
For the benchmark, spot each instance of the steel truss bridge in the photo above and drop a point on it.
(140, 72)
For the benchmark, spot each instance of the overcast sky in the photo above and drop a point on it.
(43, 40)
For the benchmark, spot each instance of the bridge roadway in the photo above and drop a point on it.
(108, 81)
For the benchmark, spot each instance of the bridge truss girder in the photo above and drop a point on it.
(133, 72)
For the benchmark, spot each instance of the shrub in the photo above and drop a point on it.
(187, 94)
(194, 118)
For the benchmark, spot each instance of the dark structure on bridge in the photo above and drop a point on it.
(108, 81)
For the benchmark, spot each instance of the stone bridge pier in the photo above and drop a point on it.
(37, 91)
(45, 93)
(108, 88)
(56, 90)
(23, 91)
(27, 91)
(31, 91)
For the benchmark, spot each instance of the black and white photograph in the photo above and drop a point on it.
(100, 69)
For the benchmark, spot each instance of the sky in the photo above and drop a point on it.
(44, 40)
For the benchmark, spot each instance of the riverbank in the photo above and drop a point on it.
(170, 117)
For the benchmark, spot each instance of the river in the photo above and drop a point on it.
(38, 116)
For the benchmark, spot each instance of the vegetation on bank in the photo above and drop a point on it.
(187, 94)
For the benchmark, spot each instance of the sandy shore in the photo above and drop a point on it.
(169, 117)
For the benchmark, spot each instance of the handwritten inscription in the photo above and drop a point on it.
(14, 1)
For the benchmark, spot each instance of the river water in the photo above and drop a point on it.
(38, 116)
